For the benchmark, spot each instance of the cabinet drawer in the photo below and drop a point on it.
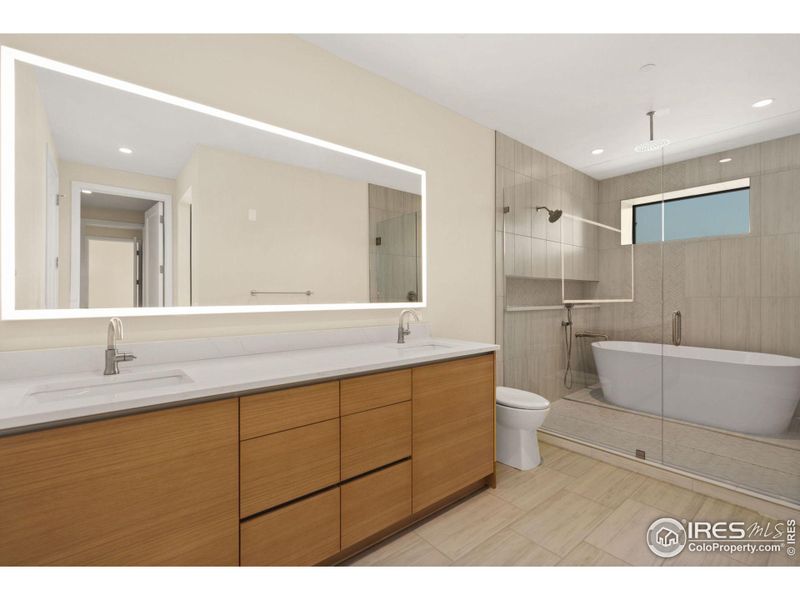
(300, 534)
(373, 391)
(271, 412)
(375, 438)
(374, 502)
(283, 466)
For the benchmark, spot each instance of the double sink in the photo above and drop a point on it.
(103, 386)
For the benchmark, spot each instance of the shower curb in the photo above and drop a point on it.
(771, 507)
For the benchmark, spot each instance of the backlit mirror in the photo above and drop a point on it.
(121, 200)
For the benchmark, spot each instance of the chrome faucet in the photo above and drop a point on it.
(113, 356)
(402, 331)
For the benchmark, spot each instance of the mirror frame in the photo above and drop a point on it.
(8, 311)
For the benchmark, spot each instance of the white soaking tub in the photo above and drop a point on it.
(748, 392)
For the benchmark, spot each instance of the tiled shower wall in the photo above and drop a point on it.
(532, 355)
(395, 268)
(735, 292)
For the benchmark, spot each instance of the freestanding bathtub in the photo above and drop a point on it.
(748, 392)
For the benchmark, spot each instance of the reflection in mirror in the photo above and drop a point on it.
(395, 239)
(122, 239)
(127, 199)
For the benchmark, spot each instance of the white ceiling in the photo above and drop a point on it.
(566, 95)
(89, 122)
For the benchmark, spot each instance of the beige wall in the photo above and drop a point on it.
(110, 272)
(310, 232)
(31, 163)
(287, 82)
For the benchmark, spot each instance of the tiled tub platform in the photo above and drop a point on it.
(769, 465)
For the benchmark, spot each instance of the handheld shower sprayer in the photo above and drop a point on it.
(567, 325)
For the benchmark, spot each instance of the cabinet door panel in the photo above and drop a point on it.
(453, 417)
(158, 488)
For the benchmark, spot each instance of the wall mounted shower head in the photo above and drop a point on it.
(555, 215)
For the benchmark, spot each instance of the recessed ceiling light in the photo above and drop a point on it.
(86, 191)
(597, 151)
(125, 150)
(647, 67)
(725, 160)
(762, 103)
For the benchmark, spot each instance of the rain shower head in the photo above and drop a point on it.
(651, 144)
(555, 215)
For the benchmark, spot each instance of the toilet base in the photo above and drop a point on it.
(518, 448)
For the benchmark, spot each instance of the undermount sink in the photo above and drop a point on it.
(422, 346)
(105, 385)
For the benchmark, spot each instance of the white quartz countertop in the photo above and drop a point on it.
(28, 402)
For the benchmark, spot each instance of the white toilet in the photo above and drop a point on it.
(519, 416)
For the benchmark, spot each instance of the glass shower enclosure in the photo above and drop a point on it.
(648, 312)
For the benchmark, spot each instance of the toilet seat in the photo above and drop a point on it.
(520, 399)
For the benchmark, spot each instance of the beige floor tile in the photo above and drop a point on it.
(718, 510)
(572, 463)
(781, 559)
(702, 559)
(406, 550)
(562, 522)
(461, 528)
(607, 485)
(508, 548)
(528, 489)
(673, 501)
(624, 533)
(586, 555)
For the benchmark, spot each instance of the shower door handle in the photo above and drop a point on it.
(676, 328)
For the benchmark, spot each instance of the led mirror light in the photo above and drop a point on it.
(8, 311)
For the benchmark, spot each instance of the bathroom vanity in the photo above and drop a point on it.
(300, 474)
(295, 448)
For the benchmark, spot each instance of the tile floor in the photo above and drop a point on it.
(572, 510)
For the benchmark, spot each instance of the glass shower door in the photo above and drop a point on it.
(728, 313)
(397, 259)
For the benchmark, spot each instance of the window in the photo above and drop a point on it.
(706, 211)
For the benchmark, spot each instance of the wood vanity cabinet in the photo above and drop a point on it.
(305, 475)
(453, 427)
(157, 488)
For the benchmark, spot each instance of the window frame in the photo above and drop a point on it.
(628, 206)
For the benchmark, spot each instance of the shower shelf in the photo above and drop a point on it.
(553, 307)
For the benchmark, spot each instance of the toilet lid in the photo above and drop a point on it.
(514, 398)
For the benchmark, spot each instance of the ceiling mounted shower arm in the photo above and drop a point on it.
(652, 143)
